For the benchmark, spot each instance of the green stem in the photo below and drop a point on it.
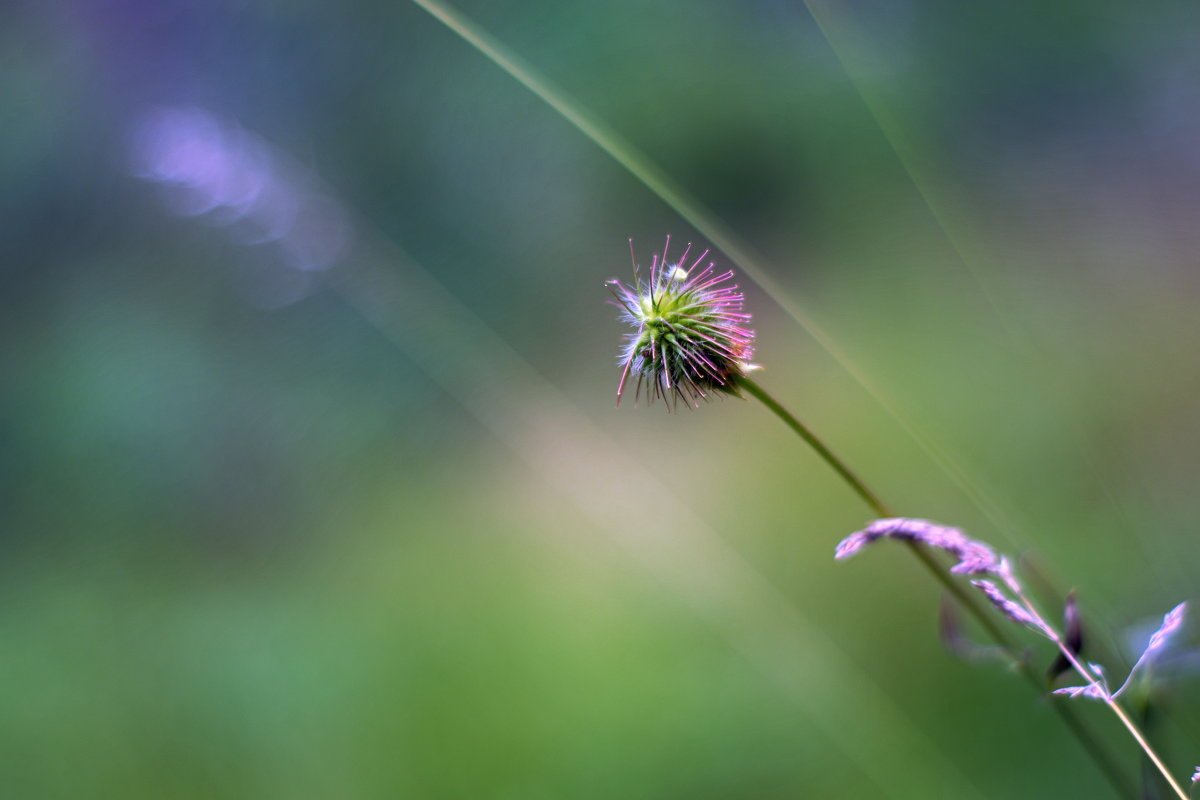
(1096, 750)
(860, 488)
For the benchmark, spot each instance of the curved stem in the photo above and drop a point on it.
(1098, 753)
(869, 497)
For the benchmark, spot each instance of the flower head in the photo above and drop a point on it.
(689, 339)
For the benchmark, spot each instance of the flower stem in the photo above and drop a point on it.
(1104, 761)
(869, 497)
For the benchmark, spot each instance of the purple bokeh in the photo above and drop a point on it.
(215, 170)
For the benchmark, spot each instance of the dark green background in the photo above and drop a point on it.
(401, 544)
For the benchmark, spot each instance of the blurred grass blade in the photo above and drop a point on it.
(949, 211)
(717, 233)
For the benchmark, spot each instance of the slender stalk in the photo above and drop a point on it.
(1095, 750)
(1102, 692)
(872, 500)
(869, 497)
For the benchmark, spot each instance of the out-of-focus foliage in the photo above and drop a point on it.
(252, 544)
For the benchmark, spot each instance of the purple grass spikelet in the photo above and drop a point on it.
(974, 557)
(1008, 607)
(1007, 596)
(1171, 624)
(1093, 691)
(690, 338)
(1072, 638)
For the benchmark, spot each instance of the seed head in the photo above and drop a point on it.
(1007, 607)
(689, 340)
(974, 557)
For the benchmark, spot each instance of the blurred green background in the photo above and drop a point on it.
(311, 480)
